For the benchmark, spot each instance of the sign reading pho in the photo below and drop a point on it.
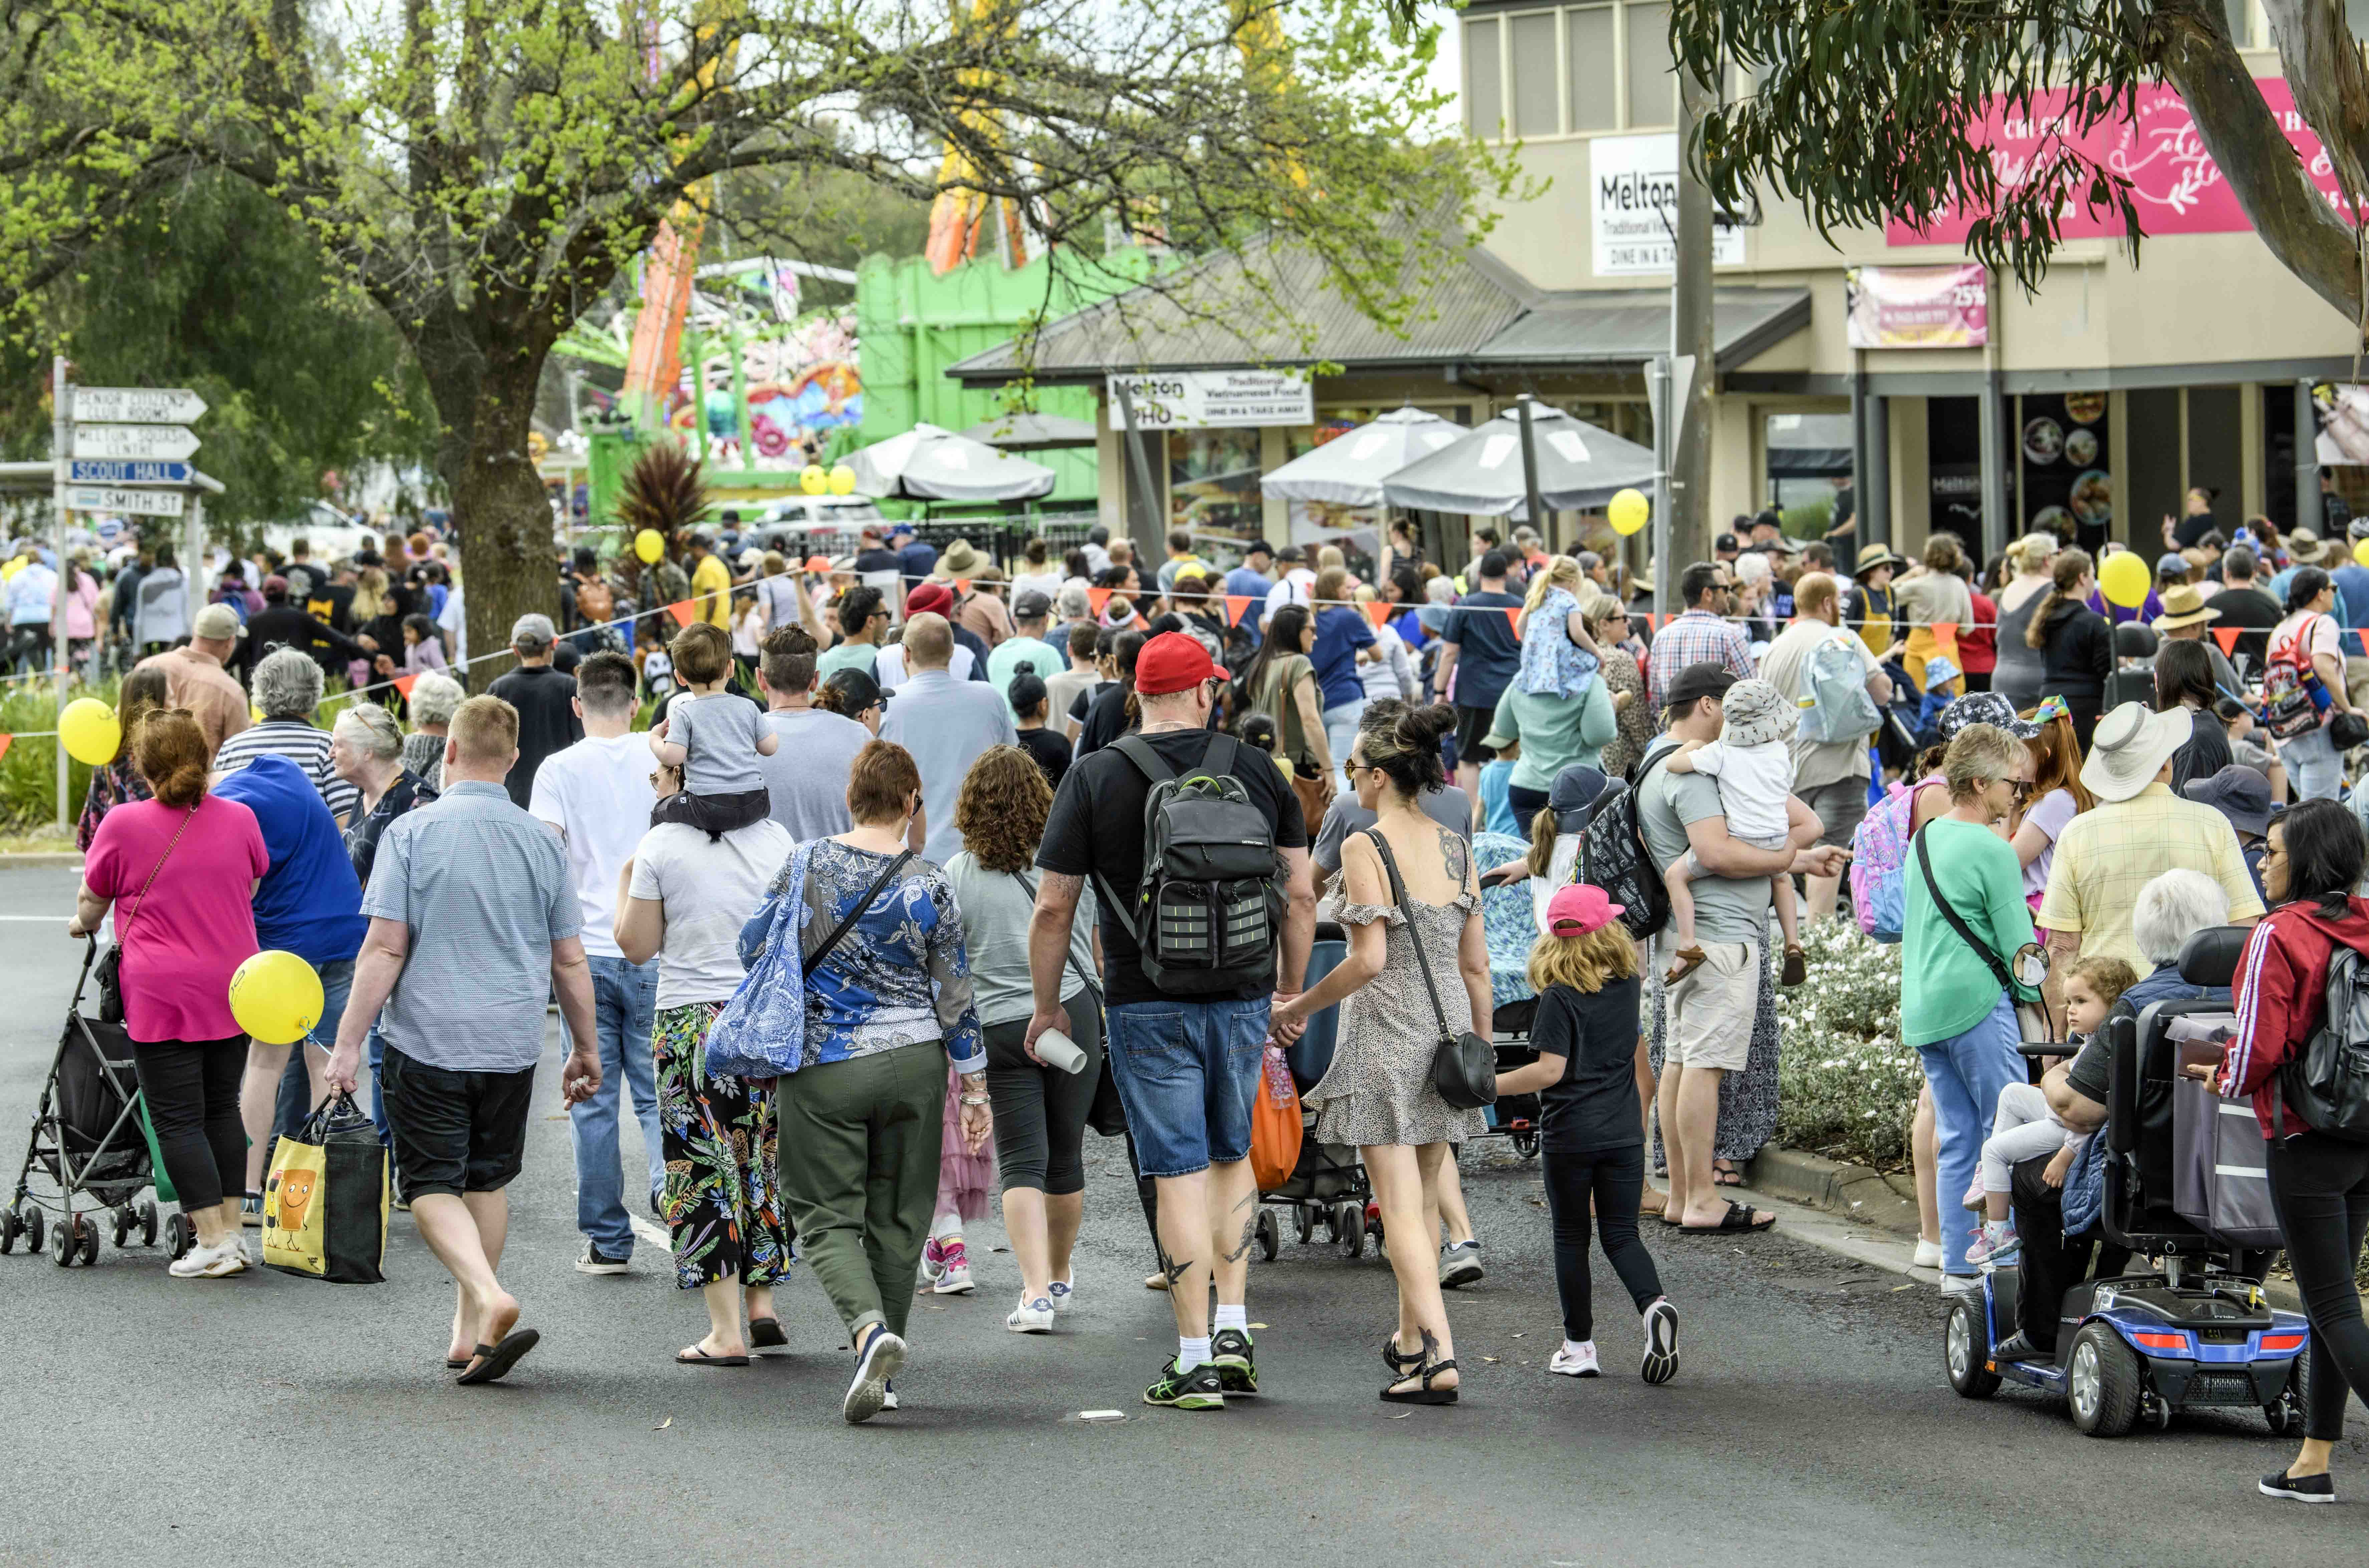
(1200, 400)
(1633, 207)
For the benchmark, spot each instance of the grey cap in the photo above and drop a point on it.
(1031, 603)
(533, 631)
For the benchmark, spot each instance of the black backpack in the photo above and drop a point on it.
(2327, 1085)
(1207, 909)
(1612, 856)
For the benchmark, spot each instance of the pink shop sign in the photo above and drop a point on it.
(2175, 184)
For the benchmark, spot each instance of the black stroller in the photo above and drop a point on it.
(91, 1141)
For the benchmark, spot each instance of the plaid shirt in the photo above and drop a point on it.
(2107, 853)
(1696, 637)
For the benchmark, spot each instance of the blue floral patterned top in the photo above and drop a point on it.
(1508, 921)
(1551, 663)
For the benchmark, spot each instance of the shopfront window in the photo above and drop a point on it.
(1213, 484)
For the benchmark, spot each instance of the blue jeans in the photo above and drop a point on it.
(2311, 759)
(294, 1105)
(1186, 1072)
(625, 1012)
(1967, 1072)
(1339, 733)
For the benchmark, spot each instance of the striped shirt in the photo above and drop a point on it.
(297, 740)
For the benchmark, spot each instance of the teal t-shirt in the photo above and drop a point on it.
(846, 656)
(1946, 988)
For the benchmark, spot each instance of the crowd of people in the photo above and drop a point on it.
(821, 917)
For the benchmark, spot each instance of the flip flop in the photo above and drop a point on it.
(690, 1357)
(766, 1333)
(492, 1362)
(1737, 1218)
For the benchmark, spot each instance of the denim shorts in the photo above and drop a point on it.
(1185, 1071)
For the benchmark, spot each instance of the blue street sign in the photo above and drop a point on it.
(129, 471)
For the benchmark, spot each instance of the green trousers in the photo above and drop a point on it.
(860, 1141)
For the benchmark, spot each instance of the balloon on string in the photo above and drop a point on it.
(842, 480)
(276, 997)
(1628, 511)
(649, 547)
(813, 480)
(89, 731)
(2361, 552)
(2123, 580)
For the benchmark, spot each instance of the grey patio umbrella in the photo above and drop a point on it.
(927, 463)
(1032, 432)
(1579, 468)
(1348, 470)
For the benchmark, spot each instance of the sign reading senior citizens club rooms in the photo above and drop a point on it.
(1633, 207)
(1199, 400)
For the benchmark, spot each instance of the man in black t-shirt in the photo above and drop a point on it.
(1186, 1067)
(545, 700)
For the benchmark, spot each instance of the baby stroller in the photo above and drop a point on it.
(92, 1143)
(1328, 1184)
(1515, 1116)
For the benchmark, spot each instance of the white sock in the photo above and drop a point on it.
(1235, 1317)
(947, 1225)
(1191, 1353)
(1578, 1346)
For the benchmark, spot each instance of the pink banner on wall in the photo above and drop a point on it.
(2175, 184)
(1919, 307)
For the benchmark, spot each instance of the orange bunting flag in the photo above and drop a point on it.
(4, 740)
(2228, 637)
(1946, 633)
(681, 612)
(962, 585)
(1377, 612)
(1141, 624)
(1513, 618)
(817, 563)
(403, 684)
(1237, 606)
(1096, 598)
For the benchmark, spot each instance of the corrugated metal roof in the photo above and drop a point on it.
(1268, 305)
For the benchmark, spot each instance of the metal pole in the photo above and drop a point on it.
(1530, 502)
(2308, 512)
(1658, 396)
(1136, 464)
(61, 451)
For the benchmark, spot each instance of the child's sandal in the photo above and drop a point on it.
(1684, 962)
(1797, 965)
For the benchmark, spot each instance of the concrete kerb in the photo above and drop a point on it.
(1856, 1191)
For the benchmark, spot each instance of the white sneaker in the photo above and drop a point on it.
(1065, 1293)
(1928, 1254)
(210, 1263)
(1032, 1317)
(1962, 1285)
(867, 1396)
(1576, 1361)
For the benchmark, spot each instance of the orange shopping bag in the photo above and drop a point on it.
(1275, 1123)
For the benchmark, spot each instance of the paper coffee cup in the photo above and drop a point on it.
(1059, 1051)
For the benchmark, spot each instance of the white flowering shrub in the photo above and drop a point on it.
(1846, 1086)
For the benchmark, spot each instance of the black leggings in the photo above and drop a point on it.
(191, 1088)
(2320, 1186)
(1040, 1112)
(1617, 1179)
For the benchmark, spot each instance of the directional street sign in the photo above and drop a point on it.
(104, 471)
(170, 442)
(136, 405)
(137, 503)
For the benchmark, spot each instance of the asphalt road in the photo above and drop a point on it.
(267, 1419)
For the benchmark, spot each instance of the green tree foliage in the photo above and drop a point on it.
(224, 293)
(1868, 109)
(482, 169)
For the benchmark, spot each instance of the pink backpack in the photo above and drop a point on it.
(1879, 857)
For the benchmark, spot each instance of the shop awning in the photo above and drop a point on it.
(1032, 432)
(1580, 468)
(929, 463)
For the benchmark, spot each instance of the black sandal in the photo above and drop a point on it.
(1425, 1394)
(1397, 1361)
(766, 1333)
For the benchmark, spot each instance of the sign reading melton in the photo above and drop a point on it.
(1197, 400)
(1633, 207)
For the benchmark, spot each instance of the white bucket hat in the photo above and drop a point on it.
(1755, 714)
(2130, 748)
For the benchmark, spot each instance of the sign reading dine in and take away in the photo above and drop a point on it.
(1633, 207)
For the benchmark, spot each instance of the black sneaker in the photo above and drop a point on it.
(1237, 1363)
(2015, 1347)
(2320, 1488)
(1199, 1389)
(595, 1261)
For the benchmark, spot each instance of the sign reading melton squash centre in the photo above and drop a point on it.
(1633, 207)
(1200, 400)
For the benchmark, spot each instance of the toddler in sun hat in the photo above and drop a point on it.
(1754, 766)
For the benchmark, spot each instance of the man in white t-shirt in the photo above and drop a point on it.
(806, 774)
(1295, 585)
(597, 794)
(1830, 776)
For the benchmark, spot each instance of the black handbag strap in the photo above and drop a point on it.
(1998, 965)
(1406, 911)
(814, 961)
(1088, 980)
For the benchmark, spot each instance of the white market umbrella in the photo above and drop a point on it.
(1032, 432)
(927, 463)
(1579, 468)
(1348, 470)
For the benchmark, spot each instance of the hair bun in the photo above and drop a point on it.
(1426, 725)
(1025, 666)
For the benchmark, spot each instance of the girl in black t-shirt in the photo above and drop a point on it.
(1592, 1130)
(1049, 746)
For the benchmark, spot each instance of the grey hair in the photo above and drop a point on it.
(287, 684)
(373, 729)
(1439, 590)
(435, 698)
(2173, 908)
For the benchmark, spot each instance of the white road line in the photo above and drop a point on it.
(58, 921)
(654, 1234)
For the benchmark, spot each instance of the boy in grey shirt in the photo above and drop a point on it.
(715, 736)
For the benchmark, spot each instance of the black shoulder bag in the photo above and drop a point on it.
(1464, 1067)
(814, 961)
(2031, 958)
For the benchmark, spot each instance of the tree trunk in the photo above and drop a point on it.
(503, 515)
(1690, 518)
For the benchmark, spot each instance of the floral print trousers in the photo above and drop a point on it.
(722, 1206)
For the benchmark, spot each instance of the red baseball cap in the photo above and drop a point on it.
(929, 599)
(1172, 662)
(1579, 908)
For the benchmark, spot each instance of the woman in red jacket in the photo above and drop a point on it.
(2320, 1183)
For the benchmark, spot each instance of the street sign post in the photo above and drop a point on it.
(136, 405)
(134, 503)
(170, 442)
(129, 471)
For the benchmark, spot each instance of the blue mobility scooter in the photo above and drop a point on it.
(2197, 1331)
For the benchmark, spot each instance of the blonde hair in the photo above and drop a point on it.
(2106, 978)
(1330, 556)
(1582, 963)
(483, 729)
(1559, 572)
(370, 595)
(1812, 592)
(1979, 755)
(2031, 552)
(2071, 566)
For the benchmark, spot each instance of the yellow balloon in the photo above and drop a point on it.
(2360, 551)
(2123, 580)
(89, 730)
(1628, 511)
(276, 997)
(649, 547)
(842, 480)
(813, 480)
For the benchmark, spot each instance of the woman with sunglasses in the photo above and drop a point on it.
(2056, 796)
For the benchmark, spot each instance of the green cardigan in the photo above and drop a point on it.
(1946, 988)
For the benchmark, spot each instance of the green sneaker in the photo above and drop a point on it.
(1197, 1389)
(1231, 1354)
